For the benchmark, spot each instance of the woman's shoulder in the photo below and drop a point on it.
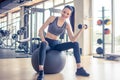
(52, 18)
(67, 25)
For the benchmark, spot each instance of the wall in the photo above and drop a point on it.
(83, 16)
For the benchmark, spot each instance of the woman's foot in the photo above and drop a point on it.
(41, 75)
(82, 72)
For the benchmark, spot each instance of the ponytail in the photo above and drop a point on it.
(72, 18)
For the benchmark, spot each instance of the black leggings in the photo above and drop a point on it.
(57, 45)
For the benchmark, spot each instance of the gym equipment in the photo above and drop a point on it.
(35, 44)
(4, 33)
(114, 57)
(23, 46)
(99, 50)
(99, 22)
(106, 31)
(4, 36)
(1, 32)
(24, 42)
(80, 26)
(99, 41)
(107, 22)
(54, 63)
(111, 58)
(21, 31)
(14, 36)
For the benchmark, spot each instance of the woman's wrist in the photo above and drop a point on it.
(43, 40)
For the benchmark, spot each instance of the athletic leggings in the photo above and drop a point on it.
(57, 45)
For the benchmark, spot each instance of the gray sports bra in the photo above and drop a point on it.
(55, 29)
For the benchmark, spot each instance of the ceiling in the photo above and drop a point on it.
(6, 5)
(13, 5)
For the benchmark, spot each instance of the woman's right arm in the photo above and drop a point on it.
(41, 30)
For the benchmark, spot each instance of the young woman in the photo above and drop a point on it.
(56, 26)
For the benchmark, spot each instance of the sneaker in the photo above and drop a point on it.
(82, 72)
(41, 75)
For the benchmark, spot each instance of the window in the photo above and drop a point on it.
(116, 27)
(68, 1)
(58, 2)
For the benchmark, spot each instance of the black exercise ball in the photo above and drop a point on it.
(54, 63)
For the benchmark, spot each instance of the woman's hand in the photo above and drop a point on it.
(45, 41)
(85, 26)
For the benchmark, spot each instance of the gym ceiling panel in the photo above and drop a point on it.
(8, 5)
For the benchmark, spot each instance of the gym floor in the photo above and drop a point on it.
(99, 69)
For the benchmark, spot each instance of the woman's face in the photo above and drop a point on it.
(66, 12)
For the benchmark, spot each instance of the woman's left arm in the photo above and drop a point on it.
(73, 37)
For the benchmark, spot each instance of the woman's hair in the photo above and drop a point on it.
(72, 17)
(69, 7)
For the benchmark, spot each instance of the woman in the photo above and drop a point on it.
(56, 26)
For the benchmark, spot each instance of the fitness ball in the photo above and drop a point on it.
(54, 63)
(99, 50)
(99, 22)
(106, 31)
(99, 41)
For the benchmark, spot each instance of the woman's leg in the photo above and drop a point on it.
(42, 56)
(64, 46)
(69, 45)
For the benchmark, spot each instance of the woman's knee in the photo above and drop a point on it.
(76, 43)
(43, 44)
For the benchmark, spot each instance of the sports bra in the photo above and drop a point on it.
(55, 29)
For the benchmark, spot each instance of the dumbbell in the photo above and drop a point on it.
(80, 26)
(4, 33)
(21, 31)
(14, 36)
